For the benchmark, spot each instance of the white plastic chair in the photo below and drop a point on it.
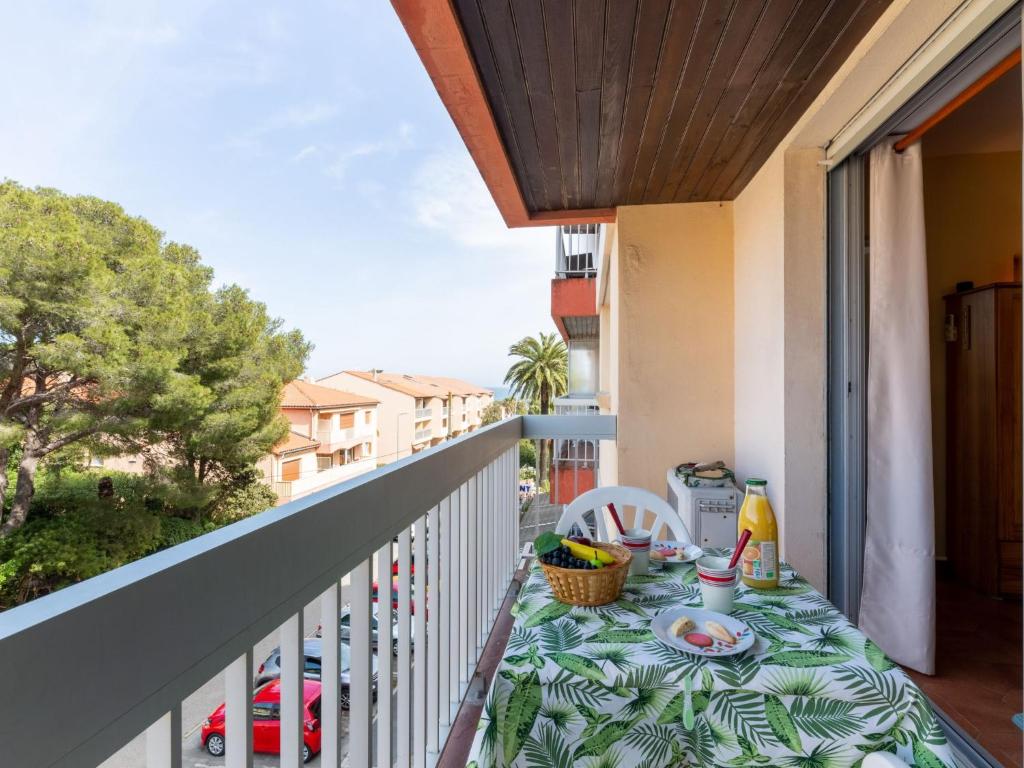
(643, 504)
(883, 760)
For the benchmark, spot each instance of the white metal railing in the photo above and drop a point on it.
(422, 434)
(142, 635)
(576, 247)
(424, 413)
(283, 488)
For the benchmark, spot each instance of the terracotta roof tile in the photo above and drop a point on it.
(303, 394)
(294, 442)
(422, 386)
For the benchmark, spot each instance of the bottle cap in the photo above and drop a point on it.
(756, 481)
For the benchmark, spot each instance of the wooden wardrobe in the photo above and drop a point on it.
(983, 437)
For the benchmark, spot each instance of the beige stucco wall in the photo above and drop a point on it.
(394, 415)
(760, 313)
(672, 316)
(973, 230)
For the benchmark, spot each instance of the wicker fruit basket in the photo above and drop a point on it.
(589, 588)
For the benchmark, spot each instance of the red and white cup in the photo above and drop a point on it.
(638, 542)
(717, 583)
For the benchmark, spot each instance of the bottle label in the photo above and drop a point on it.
(760, 560)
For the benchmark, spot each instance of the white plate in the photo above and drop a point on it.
(692, 551)
(744, 635)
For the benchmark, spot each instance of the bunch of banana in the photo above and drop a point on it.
(585, 552)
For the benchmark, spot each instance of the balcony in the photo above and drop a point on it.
(422, 434)
(576, 248)
(422, 414)
(144, 638)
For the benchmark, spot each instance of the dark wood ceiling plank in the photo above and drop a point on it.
(720, 76)
(528, 17)
(476, 35)
(710, 31)
(765, 84)
(589, 25)
(560, 36)
(679, 36)
(647, 54)
(692, 161)
(816, 42)
(843, 40)
(504, 46)
(619, 28)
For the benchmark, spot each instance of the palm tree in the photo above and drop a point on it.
(539, 374)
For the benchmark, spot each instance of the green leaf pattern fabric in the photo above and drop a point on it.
(592, 687)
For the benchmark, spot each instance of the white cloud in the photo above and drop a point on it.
(448, 194)
(305, 153)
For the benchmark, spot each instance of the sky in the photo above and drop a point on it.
(302, 149)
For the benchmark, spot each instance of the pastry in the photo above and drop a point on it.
(681, 626)
(657, 554)
(719, 632)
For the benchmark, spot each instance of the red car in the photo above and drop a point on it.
(266, 722)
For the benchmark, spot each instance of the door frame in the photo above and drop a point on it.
(847, 326)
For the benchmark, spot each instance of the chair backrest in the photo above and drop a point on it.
(883, 760)
(637, 508)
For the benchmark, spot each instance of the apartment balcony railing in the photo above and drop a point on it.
(422, 434)
(576, 248)
(424, 413)
(89, 667)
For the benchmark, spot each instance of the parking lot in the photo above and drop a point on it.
(197, 707)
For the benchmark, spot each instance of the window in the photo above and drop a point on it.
(96, 461)
(348, 420)
(312, 666)
(264, 710)
(368, 417)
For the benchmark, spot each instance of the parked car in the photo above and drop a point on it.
(345, 630)
(313, 650)
(266, 722)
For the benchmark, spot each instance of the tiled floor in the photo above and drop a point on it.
(979, 668)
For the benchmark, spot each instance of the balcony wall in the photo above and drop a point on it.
(670, 338)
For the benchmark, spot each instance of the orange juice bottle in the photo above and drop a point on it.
(761, 555)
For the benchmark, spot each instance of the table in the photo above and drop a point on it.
(592, 686)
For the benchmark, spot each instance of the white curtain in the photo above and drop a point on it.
(897, 607)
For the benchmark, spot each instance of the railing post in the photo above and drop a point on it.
(293, 663)
(433, 643)
(238, 712)
(404, 698)
(163, 741)
(330, 677)
(444, 593)
(384, 657)
(360, 748)
(464, 590)
(472, 637)
(419, 693)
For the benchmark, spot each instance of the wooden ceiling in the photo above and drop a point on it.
(600, 103)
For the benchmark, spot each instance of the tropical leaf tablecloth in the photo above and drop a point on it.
(593, 688)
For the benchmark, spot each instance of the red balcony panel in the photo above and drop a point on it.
(572, 297)
(567, 482)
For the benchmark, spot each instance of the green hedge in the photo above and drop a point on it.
(72, 534)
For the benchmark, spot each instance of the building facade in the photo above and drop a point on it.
(333, 437)
(416, 412)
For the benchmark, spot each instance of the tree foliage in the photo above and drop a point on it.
(111, 337)
(540, 374)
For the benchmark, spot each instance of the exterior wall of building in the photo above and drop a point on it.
(781, 260)
(674, 328)
(394, 417)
